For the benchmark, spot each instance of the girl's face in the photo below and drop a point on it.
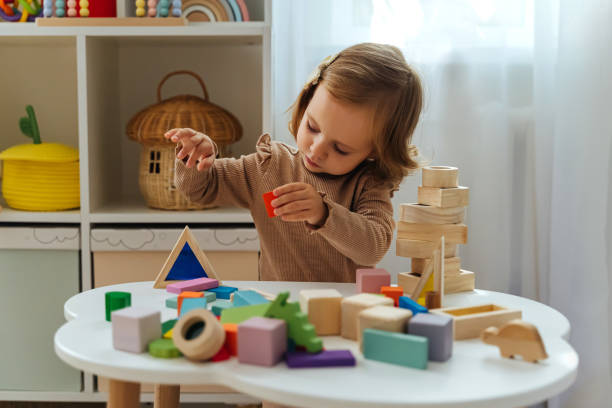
(334, 137)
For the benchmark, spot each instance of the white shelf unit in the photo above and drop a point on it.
(85, 83)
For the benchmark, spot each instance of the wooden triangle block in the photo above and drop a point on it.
(186, 261)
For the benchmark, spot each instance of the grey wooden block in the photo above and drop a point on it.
(438, 329)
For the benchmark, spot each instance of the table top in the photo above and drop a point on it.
(475, 376)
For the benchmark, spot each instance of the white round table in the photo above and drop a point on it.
(475, 376)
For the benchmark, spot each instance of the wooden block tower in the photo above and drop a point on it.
(437, 217)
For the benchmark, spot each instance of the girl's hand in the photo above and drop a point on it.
(299, 202)
(198, 147)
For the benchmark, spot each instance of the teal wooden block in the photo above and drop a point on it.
(223, 292)
(192, 303)
(396, 348)
(172, 303)
(115, 301)
(210, 296)
(248, 297)
(221, 305)
(240, 314)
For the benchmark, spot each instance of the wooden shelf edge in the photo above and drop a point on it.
(110, 22)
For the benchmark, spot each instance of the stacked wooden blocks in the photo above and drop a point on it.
(438, 215)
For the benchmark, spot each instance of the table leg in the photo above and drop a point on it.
(123, 394)
(167, 396)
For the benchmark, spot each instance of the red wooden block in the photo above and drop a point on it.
(231, 338)
(268, 197)
(221, 355)
(184, 295)
(394, 292)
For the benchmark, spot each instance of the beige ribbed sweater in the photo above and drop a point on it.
(357, 232)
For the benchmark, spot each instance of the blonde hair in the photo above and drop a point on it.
(376, 75)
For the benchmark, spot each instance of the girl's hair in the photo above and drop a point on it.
(376, 75)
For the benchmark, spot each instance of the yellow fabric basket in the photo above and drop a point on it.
(41, 177)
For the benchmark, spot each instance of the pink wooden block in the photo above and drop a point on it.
(192, 285)
(135, 327)
(262, 341)
(371, 280)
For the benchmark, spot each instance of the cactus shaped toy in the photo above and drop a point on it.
(299, 329)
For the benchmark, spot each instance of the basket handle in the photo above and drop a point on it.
(193, 74)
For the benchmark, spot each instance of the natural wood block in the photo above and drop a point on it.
(516, 338)
(468, 322)
(323, 309)
(433, 300)
(353, 305)
(450, 250)
(408, 281)
(444, 197)
(410, 248)
(438, 268)
(453, 233)
(462, 282)
(421, 213)
(386, 318)
(440, 176)
(452, 265)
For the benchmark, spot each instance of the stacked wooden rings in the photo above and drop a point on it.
(440, 176)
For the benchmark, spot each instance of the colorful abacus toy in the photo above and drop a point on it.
(20, 10)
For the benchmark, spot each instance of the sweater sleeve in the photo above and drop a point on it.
(229, 182)
(365, 234)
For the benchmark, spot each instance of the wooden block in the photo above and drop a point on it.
(444, 197)
(469, 322)
(163, 348)
(192, 303)
(386, 318)
(115, 301)
(231, 338)
(222, 292)
(326, 358)
(396, 348)
(407, 303)
(439, 331)
(262, 341)
(268, 197)
(408, 281)
(453, 233)
(432, 300)
(219, 305)
(438, 268)
(516, 338)
(198, 335)
(351, 307)
(371, 280)
(440, 176)
(134, 328)
(462, 282)
(109, 21)
(184, 295)
(266, 295)
(421, 249)
(192, 285)
(452, 265)
(323, 307)
(240, 314)
(247, 298)
(394, 292)
(427, 214)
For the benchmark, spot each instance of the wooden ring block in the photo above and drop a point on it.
(440, 176)
(198, 344)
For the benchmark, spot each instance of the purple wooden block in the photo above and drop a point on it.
(135, 327)
(438, 329)
(192, 285)
(370, 280)
(326, 358)
(262, 341)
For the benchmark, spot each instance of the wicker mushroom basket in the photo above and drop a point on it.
(156, 169)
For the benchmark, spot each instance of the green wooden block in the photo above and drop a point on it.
(167, 325)
(396, 348)
(210, 296)
(299, 329)
(163, 348)
(172, 303)
(115, 301)
(240, 314)
(220, 305)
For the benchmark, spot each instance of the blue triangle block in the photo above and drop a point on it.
(186, 266)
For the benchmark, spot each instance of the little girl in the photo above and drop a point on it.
(353, 122)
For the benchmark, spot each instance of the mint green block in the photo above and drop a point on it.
(210, 296)
(396, 348)
(220, 305)
(172, 303)
(240, 314)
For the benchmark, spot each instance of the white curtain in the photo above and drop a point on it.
(517, 96)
